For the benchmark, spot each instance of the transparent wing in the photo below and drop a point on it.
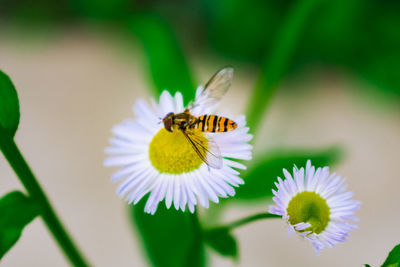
(215, 88)
(209, 153)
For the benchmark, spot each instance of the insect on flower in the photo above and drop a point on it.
(178, 153)
(188, 124)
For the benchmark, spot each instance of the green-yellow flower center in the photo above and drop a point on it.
(170, 152)
(309, 207)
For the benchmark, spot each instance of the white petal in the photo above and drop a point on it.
(166, 103)
(178, 103)
(177, 193)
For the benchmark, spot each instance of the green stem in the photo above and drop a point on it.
(252, 218)
(244, 221)
(24, 173)
(276, 64)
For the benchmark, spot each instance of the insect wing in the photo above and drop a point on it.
(209, 153)
(215, 88)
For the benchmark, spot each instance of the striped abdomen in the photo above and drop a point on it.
(214, 124)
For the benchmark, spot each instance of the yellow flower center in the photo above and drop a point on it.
(170, 152)
(309, 207)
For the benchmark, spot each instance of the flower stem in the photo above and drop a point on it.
(24, 173)
(278, 59)
(252, 218)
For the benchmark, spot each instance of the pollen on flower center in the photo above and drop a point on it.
(170, 152)
(309, 207)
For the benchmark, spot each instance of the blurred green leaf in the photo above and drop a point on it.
(357, 36)
(393, 259)
(248, 40)
(168, 66)
(259, 179)
(279, 58)
(222, 241)
(171, 238)
(9, 105)
(101, 9)
(351, 35)
(16, 211)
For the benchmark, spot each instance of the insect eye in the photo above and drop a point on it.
(168, 124)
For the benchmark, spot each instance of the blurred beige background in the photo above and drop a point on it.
(73, 87)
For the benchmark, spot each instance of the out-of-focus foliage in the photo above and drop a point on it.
(16, 211)
(354, 35)
(171, 238)
(276, 63)
(222, 241)
(260, 178)
(393, 259)
(167, 63)
(9, 106)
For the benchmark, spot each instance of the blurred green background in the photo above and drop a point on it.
(327, 72)
(359, 37)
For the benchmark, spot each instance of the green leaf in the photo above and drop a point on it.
(16, 211)
(393, 259)
(280, 56)
(171, 238)
(221, 240)
(259, 179)
(9, 105)
(168, 66)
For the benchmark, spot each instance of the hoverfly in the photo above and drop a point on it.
(188, 124)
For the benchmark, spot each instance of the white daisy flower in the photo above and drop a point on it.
(165, 164)
(315, 205)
